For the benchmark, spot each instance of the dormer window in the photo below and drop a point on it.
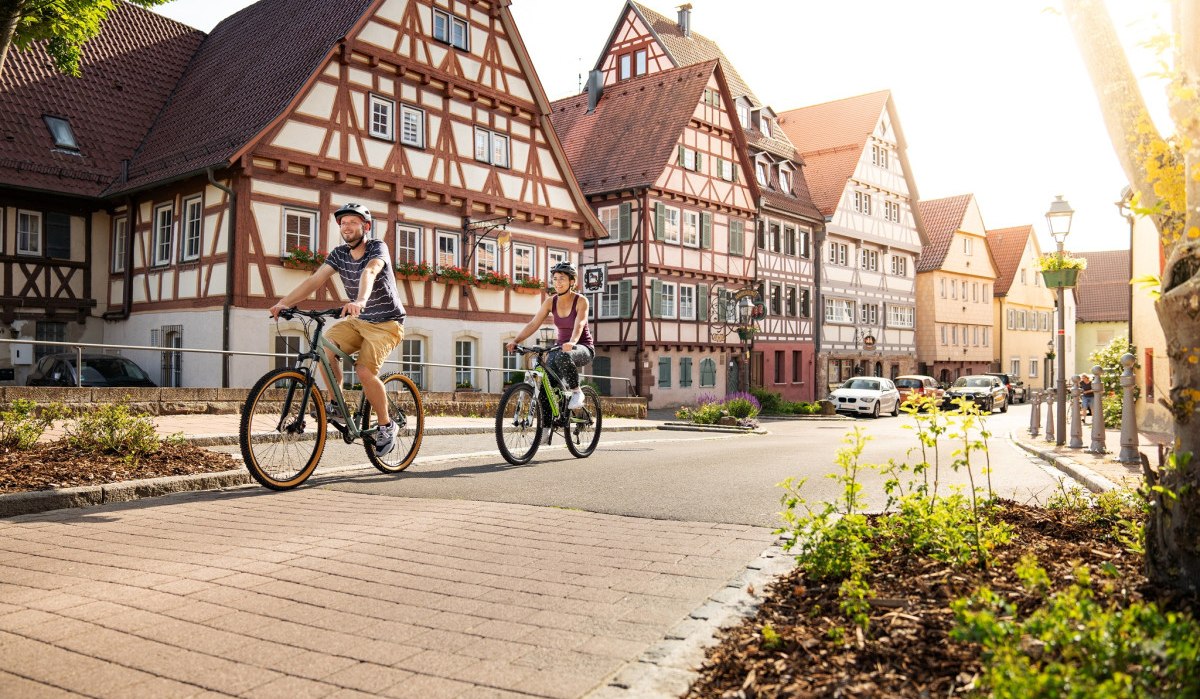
(743, 112)
(761, 171)
(60, 131)
(766, 126)
(785, 181)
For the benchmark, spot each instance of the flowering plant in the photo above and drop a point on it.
(420, 269)
(531, 283)
(491, 277)
(303, 256)
(1053, 262)
(454, 274)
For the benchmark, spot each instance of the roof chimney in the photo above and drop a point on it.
(685, 19)
(595, 88)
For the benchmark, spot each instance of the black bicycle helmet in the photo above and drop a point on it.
(565, 267)
(353, 208)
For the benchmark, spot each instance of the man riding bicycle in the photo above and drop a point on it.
(373, 319)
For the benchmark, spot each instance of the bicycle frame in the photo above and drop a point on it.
(539, 378)
(316, 353)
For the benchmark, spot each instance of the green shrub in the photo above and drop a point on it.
(23, 424)
(113, 428)
(1110, 406)
(771, 403)
(740, 408)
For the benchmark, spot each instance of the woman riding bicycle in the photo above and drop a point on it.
(569, 311)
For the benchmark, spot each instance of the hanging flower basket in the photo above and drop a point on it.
(746, 333)
(1056, 278)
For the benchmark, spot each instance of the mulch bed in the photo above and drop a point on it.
(57, 465)
(907, 651)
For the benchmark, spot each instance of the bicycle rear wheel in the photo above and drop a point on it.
(280, 444)
(518, 424)
(583, 425)
(404, 407)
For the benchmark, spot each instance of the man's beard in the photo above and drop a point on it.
(354, 242)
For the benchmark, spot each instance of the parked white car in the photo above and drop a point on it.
(867, 395)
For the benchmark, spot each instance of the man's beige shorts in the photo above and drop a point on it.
(373, 341)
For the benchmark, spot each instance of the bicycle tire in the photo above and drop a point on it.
(279, 445)
(518, 424)
(408, 414)
(583, 425)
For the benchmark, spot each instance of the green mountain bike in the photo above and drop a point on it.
(285, 422)
(540, 402)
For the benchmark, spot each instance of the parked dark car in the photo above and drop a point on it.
(1015, 386)
(99, 371)
(986, 391)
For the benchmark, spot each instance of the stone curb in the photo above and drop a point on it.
(1089, 478)
(668, 668)
(724, 429)
(785, 418)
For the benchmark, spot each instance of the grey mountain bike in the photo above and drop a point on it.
(540, 402)
(285, 422)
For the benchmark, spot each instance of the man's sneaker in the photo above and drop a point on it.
(576, 401)
(385, 439)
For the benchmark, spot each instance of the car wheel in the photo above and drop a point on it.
(1004, 407)
(896, 407)
(875, 410)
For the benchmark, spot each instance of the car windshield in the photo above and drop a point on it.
(112, 369)
(908, 383)
(862, 384)
(973, 382)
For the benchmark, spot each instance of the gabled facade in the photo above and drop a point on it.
(663, 164)
(1103, 296)
(955, 278)
(1023, 308)
(860, 179)
(429, 113)
(787, 227)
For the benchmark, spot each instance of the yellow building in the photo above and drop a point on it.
(1103, 294)
(1154, 373)
(955, 278)
(1023, 307)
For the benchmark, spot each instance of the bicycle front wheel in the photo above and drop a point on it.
(583, 425)
(518, 424)
(404, 407)
(281, 445)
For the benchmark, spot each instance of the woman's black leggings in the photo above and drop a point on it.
(566, 364)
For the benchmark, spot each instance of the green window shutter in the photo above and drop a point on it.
(699, 161)
(664, 372)
(735, 237)
(625, 298)
(720, 167)
(722, 305)
(685, 372)
(702, 313)
(655, 297)
(624, 230)
(679, 156)
(705, 230)
(660, 220)
(735, 171)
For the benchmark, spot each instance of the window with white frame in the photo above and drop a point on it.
(487, 257)
(743, 112)
(942, 328)
(610, 216)
(968, 246)
(1033, 368)
(670, 224)
(1012, 319)
(785, 181)
(491, 147)
(974, 335)
(464, 361)
(554, 257)
(691, 228)
(838, 253)
(805, 241)
(120, 242)
(639, 62)
(610, 300)
(869, 260)
(524, 266)
(868, 314)
(1045, 320)
(687, 302)
(942, 287)
(408, 244)
(987, 334)
(879, 156)
(1022, 276)
(954, 288)
(862, 203)
(776, 298)
(164, 219)
(760, 171)
(447, 249)
(449, 29)
(789, 302)
(839, 310)
(412, 360)
(666, 300)
(687, 158)
(1021, 320)
(29, 233)
(766, 126)
(625, 66)
(381, 117)
(725, 169)
(891, 211)
(899, 266)
(193, 227)
(412, 126)
(954, 334)
(1014, 367)
(806, 303)
(299, 230)
(900, 316)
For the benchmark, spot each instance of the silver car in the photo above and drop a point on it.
(867, 395)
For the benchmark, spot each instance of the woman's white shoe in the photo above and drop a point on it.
(576, 401)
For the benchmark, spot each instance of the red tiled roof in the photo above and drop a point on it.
(245, 74)
(631, 136)
(942, 218)
(830, 137)
(128, 71)
(1102, 291)
(1007, 246)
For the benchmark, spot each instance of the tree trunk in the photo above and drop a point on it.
(10, 12)
(1166, 181)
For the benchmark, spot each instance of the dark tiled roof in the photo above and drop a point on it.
(1007, 245)
(831, 137)
(632, 135)
(798, 201)
(245, 74)
(1102, 293)
(942, 218)
(128, 71)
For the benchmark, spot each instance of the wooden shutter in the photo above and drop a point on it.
(702, 312)
(735, 238)
(660, 220)
(58, 236)
(625, 298)
(624, 230)
(655, 297)
(679, 156)
(699, 160)
(722, 305)
(705, 230)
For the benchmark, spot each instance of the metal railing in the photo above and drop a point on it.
(404, 366)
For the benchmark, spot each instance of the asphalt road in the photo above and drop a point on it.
(689, 476)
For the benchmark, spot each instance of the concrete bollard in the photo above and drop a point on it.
(1075, 399)
(1050, 400)
(1097, 446)
(1035, 415)
(1129, 436)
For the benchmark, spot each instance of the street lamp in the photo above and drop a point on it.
(745, 313)
(1059, 220)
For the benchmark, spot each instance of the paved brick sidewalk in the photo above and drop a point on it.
(322, 593)
(1098, 472)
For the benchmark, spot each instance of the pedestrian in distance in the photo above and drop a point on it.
(372, 321)
(1085, 385)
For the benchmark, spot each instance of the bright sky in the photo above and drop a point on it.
(992, 97)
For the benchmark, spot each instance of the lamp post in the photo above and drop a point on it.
(1058, 218)
(745, 313)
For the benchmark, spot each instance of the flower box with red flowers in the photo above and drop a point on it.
(302, 258)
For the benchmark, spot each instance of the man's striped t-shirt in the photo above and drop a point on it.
(384, 303)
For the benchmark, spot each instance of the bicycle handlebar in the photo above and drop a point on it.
(289, 313)
(523, 349)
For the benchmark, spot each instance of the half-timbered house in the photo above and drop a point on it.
(426, 111)
(644, 42)
(662, 161)
(860, 178)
